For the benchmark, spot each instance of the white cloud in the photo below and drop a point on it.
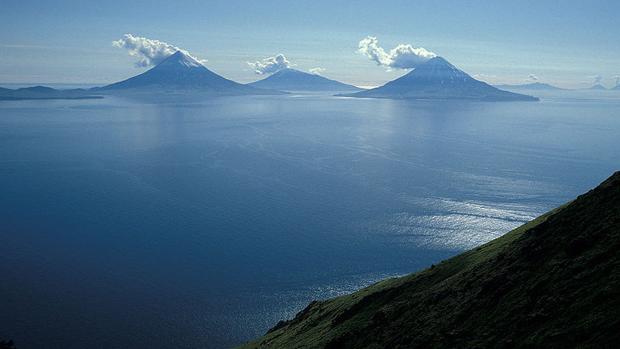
(148, 51)
(532, 77)
(270, 64)
(403, 56)
(317, 70)
(617, 77)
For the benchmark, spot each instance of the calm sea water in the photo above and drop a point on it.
(134, 224)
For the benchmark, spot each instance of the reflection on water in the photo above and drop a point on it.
(187, 223)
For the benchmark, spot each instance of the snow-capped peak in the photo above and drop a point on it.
(184, 59)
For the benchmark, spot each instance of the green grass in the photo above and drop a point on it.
(552, 282)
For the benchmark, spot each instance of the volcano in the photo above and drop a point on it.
(438, 79)
(294, 80)
(182, 73)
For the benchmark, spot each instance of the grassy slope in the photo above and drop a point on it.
(553, 282)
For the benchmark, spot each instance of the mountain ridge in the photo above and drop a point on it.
(553, 282)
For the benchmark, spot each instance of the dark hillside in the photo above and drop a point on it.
(552, 283)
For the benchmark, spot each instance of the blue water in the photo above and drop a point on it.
(134, 224)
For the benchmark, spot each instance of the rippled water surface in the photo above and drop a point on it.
(180, 223)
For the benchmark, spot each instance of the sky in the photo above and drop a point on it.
(566, 43)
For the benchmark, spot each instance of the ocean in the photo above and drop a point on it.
(200, 223)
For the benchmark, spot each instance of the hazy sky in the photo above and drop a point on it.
(562, 42)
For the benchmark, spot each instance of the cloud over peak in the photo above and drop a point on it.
(532, 77)
(270, 64)
(403, 56)
(148, 51)
(317, 70)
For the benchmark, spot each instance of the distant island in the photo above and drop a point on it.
(532, 86)
(438, 79)
(42, 92)
(181, 73)
(551, 283)
(291, 80)
(598, 87)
